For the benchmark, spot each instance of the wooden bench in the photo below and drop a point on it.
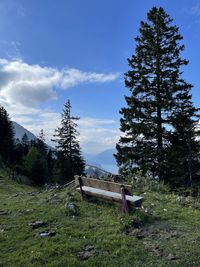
(108, 190)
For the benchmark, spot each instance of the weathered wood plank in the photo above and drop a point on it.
(104, 185)
(133, 200)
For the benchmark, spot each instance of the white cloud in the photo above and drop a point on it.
(96, 135)
(28, 85)
(23, 86)
(93, 122)
(72, 77)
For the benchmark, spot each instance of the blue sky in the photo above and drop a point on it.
(54, 50)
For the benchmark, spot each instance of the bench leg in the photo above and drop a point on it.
(80, 184)
(125, 208)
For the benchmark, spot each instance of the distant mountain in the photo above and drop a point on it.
(101, 161)
(94, 171)
(106, 157)
(104, 160)
(20, 131)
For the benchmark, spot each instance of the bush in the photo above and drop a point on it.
(143, 184)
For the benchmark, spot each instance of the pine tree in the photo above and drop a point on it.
(70, 161)
(35, 167)
(151, 122)
(50, 163)
(40, 143)
(6, 136)
(183, 156)
(26, 143)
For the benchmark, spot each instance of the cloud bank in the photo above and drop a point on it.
(96, 135)
(29, 85)
(24, 86)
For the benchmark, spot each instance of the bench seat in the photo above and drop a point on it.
(133, 200)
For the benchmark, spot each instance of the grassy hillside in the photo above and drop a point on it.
(165, 233)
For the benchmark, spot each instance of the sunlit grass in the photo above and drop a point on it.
(98, 224)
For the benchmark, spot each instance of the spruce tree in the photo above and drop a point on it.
(70, 161)
(40, 143)
(6, 136)
(183, 156)
(26, 143)
(151, 122)
(35, 167)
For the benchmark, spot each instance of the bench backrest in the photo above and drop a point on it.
(104, 185)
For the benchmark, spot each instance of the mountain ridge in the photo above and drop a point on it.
(104, 160)
(20, 131)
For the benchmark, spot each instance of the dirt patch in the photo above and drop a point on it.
(159, 252)
(87, 252)
(157, 230)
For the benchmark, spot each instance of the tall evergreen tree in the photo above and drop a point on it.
(70, 161)
(183, 155)
(152, 120)
(6, 136)
(40, 143)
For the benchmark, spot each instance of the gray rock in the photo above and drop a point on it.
(46, 234)
(71, 208)
(36, 224)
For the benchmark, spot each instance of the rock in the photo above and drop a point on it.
(172, 257)
(71, 209)
(89, 248)
(46, 234)
(36, 224)
(106, 252)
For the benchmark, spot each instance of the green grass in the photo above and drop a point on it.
(97, 224)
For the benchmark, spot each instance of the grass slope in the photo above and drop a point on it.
(167, 234)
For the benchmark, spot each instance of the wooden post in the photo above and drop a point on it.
(124, 201)
(80, 184)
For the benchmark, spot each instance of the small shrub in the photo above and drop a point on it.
(189, 201)
(146, 183)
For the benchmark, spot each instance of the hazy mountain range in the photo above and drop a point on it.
(104, 160)
(20, 131)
